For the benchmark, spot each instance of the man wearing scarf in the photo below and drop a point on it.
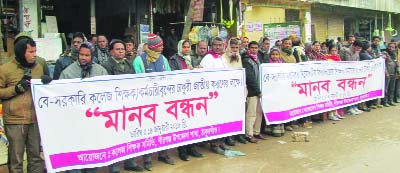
(67, 59)
(84, 68)
(214, 58)
(102, 53)
(148, 62)
(287, 52)
(19, 114)
(251, 63)
(152, 60)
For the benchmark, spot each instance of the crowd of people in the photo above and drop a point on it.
(97, 56)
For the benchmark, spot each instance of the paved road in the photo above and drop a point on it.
(367, 143)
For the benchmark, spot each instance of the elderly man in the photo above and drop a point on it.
(201, 51)
(19, 113)
(102, 53)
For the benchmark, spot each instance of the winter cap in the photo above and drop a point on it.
(20, 45)
(154, 41)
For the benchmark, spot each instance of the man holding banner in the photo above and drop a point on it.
(19, 116)
(84, 68)
(251, 63)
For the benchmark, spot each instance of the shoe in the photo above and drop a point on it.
(352, 111)
(241, 139)
(260, 136)
(229, 141)
(358, 111)
(365, 109)
(251, 139)
(217, 150)
(166, 160)
(396, 101)
(332, 117)
(392, 104)
(148, 166)
(224, 147)
(386, 105)
(183, 156)
(372, 107)
(288, 128)
(339, 116)
(193, 152)
(134, 168)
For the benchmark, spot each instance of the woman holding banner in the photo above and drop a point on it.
(182, 61)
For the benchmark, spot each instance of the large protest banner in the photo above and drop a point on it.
(293, 91)
(102, 120)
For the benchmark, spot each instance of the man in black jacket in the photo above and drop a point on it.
(251, 63)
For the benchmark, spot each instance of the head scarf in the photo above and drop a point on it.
(187, 58)
(279, 53)
(87, 67)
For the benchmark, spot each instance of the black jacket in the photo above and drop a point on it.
(175, 62)
(252, 75)
(115, 69)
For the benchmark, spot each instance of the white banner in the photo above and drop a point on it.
(102, 120)
(293, 91)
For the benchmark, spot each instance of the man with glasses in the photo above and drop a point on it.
(66, 59)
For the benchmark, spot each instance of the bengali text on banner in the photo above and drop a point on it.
(102, 120)
(293, 91)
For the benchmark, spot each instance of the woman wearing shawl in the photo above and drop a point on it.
(182, 61)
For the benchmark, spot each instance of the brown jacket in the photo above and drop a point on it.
(18, 108)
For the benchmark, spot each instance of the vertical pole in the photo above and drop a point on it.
(151, 17)
(188, 22)
(93, 17)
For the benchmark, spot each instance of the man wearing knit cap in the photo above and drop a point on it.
(19, 114)
(153, 61)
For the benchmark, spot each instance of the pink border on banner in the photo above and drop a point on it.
(320, 107)
(109, 154)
